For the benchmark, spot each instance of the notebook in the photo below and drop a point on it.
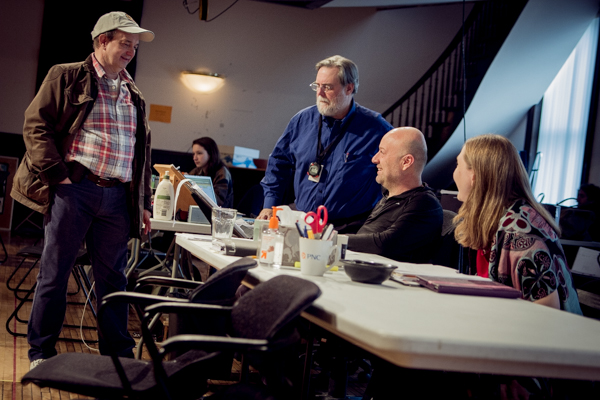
(473, 287)
(587, 262)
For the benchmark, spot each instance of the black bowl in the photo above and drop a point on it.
(367, 271)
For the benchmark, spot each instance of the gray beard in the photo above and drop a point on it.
(328, 110)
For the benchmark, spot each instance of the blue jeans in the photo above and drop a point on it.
(82, 211)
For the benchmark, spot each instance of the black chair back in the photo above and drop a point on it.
(221, 286)
(264, 311)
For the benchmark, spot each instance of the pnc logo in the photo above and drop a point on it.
(309, 256)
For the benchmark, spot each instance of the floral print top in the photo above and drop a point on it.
(526, 253)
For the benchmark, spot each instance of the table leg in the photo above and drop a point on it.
(308, 363)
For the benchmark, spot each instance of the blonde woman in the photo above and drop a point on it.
(516, 239)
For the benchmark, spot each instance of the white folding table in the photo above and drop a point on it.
(414, 327)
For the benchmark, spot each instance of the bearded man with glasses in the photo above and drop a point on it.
(327, 149)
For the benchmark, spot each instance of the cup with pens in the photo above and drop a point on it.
(316, 243)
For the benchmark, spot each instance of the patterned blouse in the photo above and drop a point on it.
(526, 253)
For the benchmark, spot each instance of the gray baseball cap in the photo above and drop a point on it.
(123, 22)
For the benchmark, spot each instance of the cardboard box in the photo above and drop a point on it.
(226, 154)
(237, 156)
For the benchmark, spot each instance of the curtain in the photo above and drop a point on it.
(564, 122)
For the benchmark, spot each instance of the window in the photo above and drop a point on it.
(564, 122)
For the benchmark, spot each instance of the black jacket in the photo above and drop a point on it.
(406, 227)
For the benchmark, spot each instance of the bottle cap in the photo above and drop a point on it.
(274, 221)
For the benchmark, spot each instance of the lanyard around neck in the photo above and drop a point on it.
(323, 153)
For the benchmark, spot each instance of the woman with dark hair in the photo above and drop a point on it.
(208, 163)
(515, 237)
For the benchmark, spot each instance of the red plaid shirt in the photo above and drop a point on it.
(105, 143)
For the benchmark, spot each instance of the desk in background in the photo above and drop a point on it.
(179, 226)
(159, 225)
(414, 327)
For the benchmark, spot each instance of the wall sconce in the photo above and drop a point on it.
(202, 82)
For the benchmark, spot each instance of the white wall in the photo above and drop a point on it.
(540, 42)
(517, 136)
(267, 53)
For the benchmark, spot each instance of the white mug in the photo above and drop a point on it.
(314, 256)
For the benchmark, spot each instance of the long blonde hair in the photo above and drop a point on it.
(500, 180)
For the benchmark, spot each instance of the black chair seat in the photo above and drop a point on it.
(30, 251)
(36, 252)
(95, 376)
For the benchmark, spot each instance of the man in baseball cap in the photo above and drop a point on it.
(88, 170)
(123, 22)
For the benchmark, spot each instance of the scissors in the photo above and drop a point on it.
(318, 220)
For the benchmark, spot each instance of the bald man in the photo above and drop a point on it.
(406, 224)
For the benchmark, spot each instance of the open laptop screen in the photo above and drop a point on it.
(205, 183)
(206, 199)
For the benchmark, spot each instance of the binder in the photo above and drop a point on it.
(472, 287)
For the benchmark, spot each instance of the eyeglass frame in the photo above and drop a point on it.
(326, 87)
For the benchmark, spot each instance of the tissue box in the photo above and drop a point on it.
(291, 245)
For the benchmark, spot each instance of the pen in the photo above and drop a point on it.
(299, 230)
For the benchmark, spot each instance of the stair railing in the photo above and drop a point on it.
(434, 104)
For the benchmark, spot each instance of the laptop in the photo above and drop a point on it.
(205, 183)
(207, 200)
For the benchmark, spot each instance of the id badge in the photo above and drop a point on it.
(315, 178)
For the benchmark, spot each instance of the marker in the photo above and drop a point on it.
(310, 234)
(327, 232)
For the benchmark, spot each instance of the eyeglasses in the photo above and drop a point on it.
(326, 88)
